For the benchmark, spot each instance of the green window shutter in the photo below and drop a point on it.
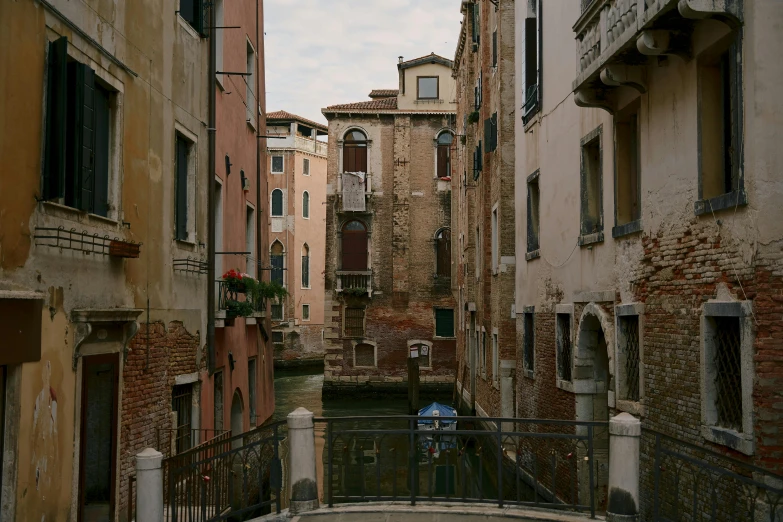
(181, 180)
(79, 192)
(444, 322)
(102, 119)
(56, 131)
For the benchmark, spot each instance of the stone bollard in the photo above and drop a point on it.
(149, 486)
(304, 486)
(625, 433)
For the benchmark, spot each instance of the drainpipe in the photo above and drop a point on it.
(211, 87)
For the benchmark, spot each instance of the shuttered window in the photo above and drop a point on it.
(181, 183)
(277, 203)
(355, 152)
(444, 322)
(192, 11)
(354, 246)
(78, 112)
(445, 139)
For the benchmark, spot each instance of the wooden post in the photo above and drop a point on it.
(413, 386)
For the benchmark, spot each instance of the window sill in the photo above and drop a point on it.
(189, 28)
(729, 438)
(444, 338)
(590, 239)
(534, 254)
(251, 123)
(627, 229)
(74, 214)
(565, 385)
(632, 407)
(531, 118)
(528, 373)
(186, 243)
(275, 173)
(729, 200)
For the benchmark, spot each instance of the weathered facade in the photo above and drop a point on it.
(388, 238)
(649, 265)
(297, 243)
(483, 209)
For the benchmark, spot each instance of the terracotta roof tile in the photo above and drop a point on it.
(384, 93)
(388, 104)
(287, 116)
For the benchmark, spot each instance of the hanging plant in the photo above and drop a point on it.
(473, 117)
(354, 292)
(238, 309)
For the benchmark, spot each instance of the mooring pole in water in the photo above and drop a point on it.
(413, 386)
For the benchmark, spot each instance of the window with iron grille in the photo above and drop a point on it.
(278, 338)
(354, 322)
(182, 405)
(629, 352)
(277, 164)
(528, 358)
(728, 372)
(564, 347)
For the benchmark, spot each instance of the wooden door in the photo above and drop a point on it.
(354, 246)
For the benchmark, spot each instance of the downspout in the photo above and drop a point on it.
(260, 132)
(211, 87)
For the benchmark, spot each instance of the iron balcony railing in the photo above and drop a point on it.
(354, 281)
(229, 293)
(544, 463)
(169, 439)
(229, 478)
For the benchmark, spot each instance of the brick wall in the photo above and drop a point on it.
(146, 403)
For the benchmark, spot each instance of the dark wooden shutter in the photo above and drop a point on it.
(354, 245)
(56, 129)
(444, 254)
(277, 203)
(444, 322)
(494, 133)
(277, 268)
(102, 120)
(361, 159)
(79, 192)
(349, 159)
(495, 48)
(443, 161)
(306, 271)
(181, 182)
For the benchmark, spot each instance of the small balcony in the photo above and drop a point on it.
(354, 282)
(615, 37)
(355, 191)
(234, 302)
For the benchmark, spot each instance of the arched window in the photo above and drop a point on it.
(277, 203)
(277, 258)
(306, 205)
(355, 152)
(305, 266)
(354, 245)
(443, 253)
(445, 140)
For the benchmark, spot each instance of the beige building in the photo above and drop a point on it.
(103, 225)
(388, 237)
(648, 238)
(483, 209)
(297, 243)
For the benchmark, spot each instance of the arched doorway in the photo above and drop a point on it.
(237, 424)
(354, 246)
(593, 380)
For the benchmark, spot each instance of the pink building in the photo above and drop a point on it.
(240, 394)
(297, 202)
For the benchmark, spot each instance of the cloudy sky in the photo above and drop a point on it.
(324, 52)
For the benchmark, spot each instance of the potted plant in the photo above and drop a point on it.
(473, 117)
(259, 291)
(235, 281)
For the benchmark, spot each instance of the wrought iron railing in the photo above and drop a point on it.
(685, 481)
(85, 242)
(355, 281)
(545, 463)
(228, 293)
(228, 478)
(169, 439)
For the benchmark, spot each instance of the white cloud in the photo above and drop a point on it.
(324, 52)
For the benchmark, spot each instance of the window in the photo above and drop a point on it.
(478, 253)
(427, 87)
(277, 203)
(443, 254)
(444, 322)
(483, 361)
(592, 187)
(182, 405)
(78, 132)
(495, 359)
(564, 347)
(478, 94)
(495, 48)
(278, 338)
(628, 348)
(182, 165)
(445, 139)
(217, 383)
(532, 60)
(354, 322)
(720, 113)
(355, 152)
(250, 239)
(364, 355)
(305, 266)
(277, 164)
(192, 11)
(277, 259)
(494, 239)
(476, 23)
(306, 205)
(305, 312)
(491, 132)
(251, 388)
(628, 195)
(277, 311)
(219, 40)
(354, 246)
(728, 379)
(533, 215)
(250, 86)
(528, 355)
(305, 166)
(478, 161)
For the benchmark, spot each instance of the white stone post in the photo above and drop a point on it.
(149, 486)
(303, 481)
(625, 433)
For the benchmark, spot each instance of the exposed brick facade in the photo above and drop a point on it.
(406, 209)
